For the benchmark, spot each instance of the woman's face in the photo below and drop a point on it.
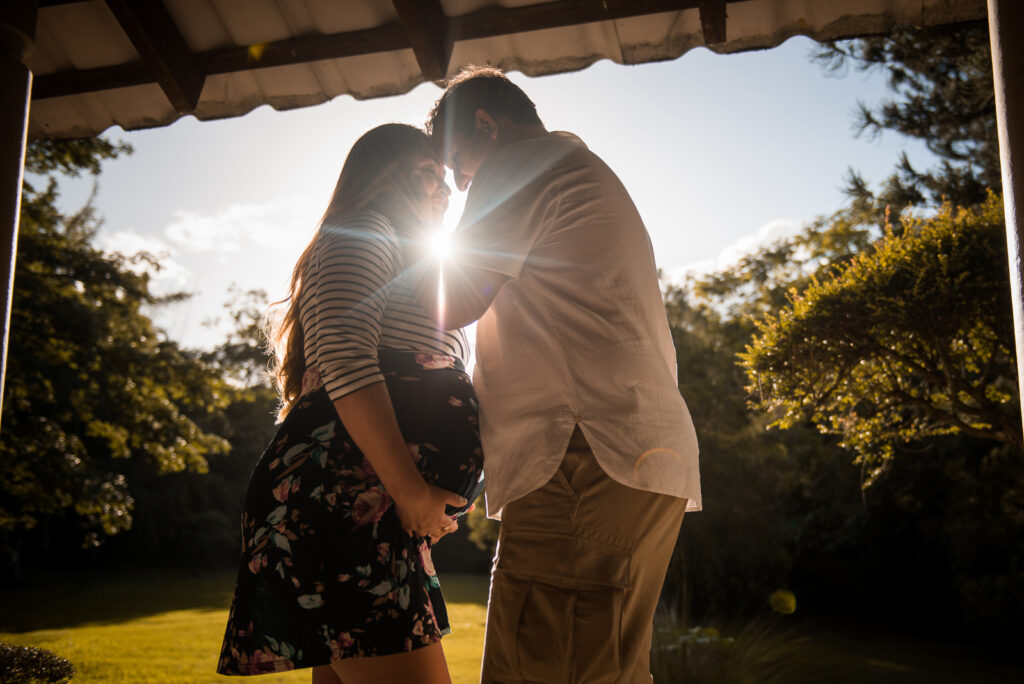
(430, 172)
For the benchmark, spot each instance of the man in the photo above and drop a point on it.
(590, 455)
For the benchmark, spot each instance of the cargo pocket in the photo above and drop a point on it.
(570, 634)
(562, 621)
(504, 608)
(544, 635)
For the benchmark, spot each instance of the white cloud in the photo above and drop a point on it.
(767, 234)
(168, 275)
(240, 225)
(127, 242)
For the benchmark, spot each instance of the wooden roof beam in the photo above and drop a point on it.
(712, 21)
(163, 49)
(426, 26)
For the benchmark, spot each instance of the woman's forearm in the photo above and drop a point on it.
(369, 418)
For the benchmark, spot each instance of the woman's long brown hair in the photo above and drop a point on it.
(375, 176)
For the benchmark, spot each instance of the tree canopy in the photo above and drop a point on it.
(93, 391)
(941, 79)
(911, 340)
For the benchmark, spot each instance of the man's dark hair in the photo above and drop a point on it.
(480, 87)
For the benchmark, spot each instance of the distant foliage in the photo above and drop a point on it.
(192, 517)
(95, 394)
(910, 341)
(28, 665)
(483, 531)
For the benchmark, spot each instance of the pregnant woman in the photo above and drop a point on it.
(377, 448)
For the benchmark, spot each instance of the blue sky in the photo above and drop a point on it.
(719, 152)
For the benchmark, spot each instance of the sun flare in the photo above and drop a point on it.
(441, 244)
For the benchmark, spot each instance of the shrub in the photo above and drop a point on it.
(28, 665)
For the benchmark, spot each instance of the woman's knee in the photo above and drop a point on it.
(428, 664)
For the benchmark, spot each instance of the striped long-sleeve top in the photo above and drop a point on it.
(355, 301)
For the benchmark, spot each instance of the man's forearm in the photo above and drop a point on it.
(455, 295)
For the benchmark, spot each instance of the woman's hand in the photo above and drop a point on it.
(423, 513)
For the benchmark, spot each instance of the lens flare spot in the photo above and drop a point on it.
(782, 601)
(652, 452)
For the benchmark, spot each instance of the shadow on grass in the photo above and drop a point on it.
(54, 601)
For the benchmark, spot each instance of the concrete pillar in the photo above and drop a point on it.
(17, 35)
(1005, 19)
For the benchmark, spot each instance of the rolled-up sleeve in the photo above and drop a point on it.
(347, 283)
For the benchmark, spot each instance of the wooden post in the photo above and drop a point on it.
(17, 35)
(1005, 18)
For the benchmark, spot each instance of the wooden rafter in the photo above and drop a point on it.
(426, 26)
(712, 21)
(163, 49)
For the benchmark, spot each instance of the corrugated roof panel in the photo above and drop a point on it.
(361, 76)
(537, 53)
(81, 35)
(337, 17)
(252, 21)
(200, 23)
(79, 116)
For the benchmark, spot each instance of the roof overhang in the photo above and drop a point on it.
(145, 63)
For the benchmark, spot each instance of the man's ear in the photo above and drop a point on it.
(486, 124)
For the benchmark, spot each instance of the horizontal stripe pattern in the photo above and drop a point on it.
(355, 301)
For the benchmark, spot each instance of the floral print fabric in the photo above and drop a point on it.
(327, 571)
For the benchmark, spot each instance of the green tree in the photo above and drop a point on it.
(94, 391)
(910, 341)
(941, 79)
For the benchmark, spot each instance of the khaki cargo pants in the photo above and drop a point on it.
(576, 578)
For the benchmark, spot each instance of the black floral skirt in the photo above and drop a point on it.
(327, 571)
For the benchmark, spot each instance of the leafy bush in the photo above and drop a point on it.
(28, 665)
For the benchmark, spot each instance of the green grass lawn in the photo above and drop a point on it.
(167, 627)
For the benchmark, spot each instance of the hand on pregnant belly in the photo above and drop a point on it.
(423, 514)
